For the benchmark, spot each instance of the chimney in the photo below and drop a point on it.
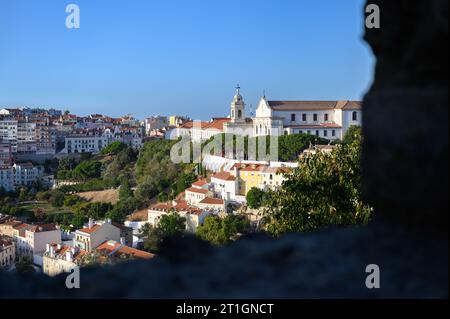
(52, 251)
(58, 246)
(47, 247)
(91, 223)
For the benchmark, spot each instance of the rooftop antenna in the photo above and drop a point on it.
(251, 110)
(264, 93)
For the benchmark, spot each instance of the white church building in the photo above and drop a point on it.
(327, 119)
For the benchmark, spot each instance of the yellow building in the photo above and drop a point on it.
(249, 176)
(273, 177)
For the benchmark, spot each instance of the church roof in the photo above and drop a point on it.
(313, 105)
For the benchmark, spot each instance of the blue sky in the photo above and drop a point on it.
(180, 57)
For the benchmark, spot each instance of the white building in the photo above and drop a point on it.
(93, 235)
(194, 216)
(87, 142)
(224, 185)
(59, 258)
(7, 252)
(327, 119)
(8, 133)
(6, 178)
(155, 123)
(194, 195)
(25, 174)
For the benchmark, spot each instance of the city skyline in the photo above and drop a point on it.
(132, 59)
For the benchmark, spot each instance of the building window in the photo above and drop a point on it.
(239, 114)
(354, 116)
(325, 117)
(304, 117)
(308, 132)
(325, 132)
(317, 132)
(333, 133)
(293, 117)
(285, 132)
(315, 117)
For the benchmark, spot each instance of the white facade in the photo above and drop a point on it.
(25, 174)
(92, 236)
(7, 252)
(7, 178)
(8, 133)
(87, 143)
(326, 119)
(225, 185)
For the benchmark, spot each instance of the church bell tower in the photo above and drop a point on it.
(237, 114)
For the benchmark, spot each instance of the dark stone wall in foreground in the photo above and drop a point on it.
(405, 176)
(405, 114)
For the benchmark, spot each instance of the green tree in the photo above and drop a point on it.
(172, 224)
(113, 148)
(71, 200)
(152, 238)
(220, 231)
(125, 191)
(255, 197)
(163, 197)
(57, 198)
(353, 133)
(323, 190)
(87, 169)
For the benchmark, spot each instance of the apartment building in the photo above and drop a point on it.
(60, 258)
(25, 174)
(5, 154)
(249, 176)
(8, 133)
(115, 251)
(194, 216)
(7, 252)
(94, 234)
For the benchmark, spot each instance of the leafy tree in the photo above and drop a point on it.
(353, 133)
(87, 169)
(323, 190)
(78, 221)
(163, 197)
(172, 224)
(71, 200)
(255, 197)
(125, 191)
(220, 231)
(152, 238)
(57, 198)
(113, 148)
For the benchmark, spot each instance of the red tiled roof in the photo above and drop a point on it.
(117, 249)
(217, 123)
(226, 176)
(313, 105)
(200, 182)
(91, 230)
(197, 190)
